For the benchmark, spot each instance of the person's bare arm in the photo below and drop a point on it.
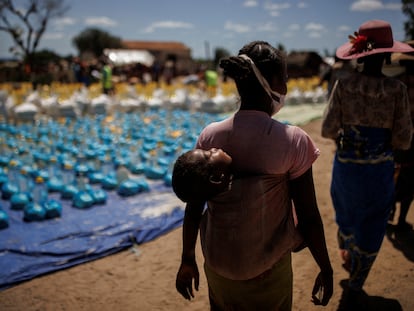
(332, 115)
(311, 226)
(188, 270)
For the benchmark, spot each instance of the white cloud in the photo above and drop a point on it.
(366, 5)
(314, 34)
(292, 30)
(288, 34)
(250, 3)
(393, 6)
(275, 8)
(344, 28)
(372, 5)
(64, 21)
(167, 25)
(53, 36)
(302, 5)
(314, 27)
(267, 27)
(236, 27)
(100, 21)
(294, 27)
(274, 13)
(315, 30)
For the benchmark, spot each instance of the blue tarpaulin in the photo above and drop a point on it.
(30, 249)
(139, 145)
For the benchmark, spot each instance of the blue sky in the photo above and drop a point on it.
(317, 25)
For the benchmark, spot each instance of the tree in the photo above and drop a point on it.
(281, 47)
(408, 9)
(95, 41)
(220, 53)
(43, 57)
(26, 26)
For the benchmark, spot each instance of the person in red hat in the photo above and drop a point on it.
(368, 116)
(404, 159)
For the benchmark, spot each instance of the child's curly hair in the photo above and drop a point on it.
(190, 178)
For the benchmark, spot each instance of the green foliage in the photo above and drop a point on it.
(26, 23)
(45, 56)
(280, 47)
(220, 53)
(95, 41)
(408, 10)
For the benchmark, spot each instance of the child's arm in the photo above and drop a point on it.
(188, 269)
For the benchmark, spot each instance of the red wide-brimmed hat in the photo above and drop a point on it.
(373, 37)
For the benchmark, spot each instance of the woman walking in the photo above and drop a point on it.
(368, 116)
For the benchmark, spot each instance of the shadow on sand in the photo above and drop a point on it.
(361, 301)
(403, 240)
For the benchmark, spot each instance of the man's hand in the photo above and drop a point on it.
(184, 282)
(323, 288)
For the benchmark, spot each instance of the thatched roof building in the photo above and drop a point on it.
(304, 64)
(166, 52)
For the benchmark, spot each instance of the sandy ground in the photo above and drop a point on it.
(143, 278)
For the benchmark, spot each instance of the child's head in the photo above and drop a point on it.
(199, 175)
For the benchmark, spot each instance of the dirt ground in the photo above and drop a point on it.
(143, 278)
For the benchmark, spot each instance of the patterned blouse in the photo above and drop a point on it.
(371, 103)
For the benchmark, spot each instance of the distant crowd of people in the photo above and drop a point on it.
(87, 72)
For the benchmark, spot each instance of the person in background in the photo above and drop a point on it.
(340, 70)
(368, 116)
(76, 68)
(106, 79)
(404, 159)
(211, 80)
(248, 232)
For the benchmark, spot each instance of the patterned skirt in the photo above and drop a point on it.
(362, 187)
